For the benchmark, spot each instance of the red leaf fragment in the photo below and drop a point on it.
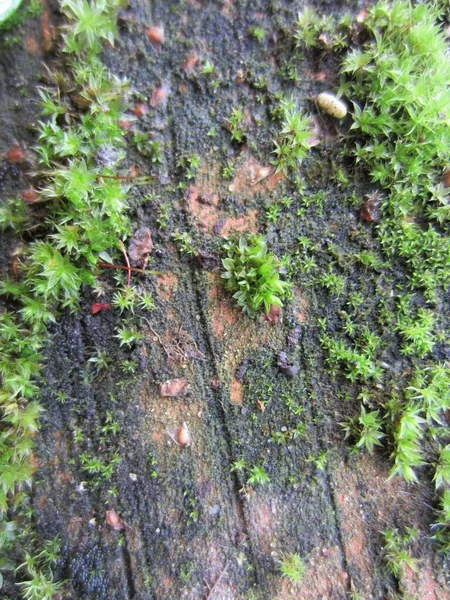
(140, 110)
(15, 155)
(113, 519)
(30, 196)
(174, 387)
(97, 307)
(156, 35)
(140, 246)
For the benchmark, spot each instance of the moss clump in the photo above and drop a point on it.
(399, 84)
(253, 274)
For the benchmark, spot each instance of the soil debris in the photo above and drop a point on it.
(113, 519)
(140, 246)
(156, 35)
(174, 388)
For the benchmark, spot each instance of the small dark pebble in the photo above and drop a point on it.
(205, 199)
(241, 370)
(286, 366)
(293, 336)
(219, 226)
(207, 260)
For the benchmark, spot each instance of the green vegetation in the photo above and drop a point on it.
(397, 550)
(85, 217)
(314, 31)
(366, 427)
(257, 476)
(252, 274)
(292, 567)
(292, 144)
(234, 124)
(85, 209)
(397, 82)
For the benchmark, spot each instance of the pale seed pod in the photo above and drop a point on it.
(332, 105)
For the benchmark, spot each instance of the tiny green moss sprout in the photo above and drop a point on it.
(235, 125)
(184, 243)
(252, 273)
(93, 23)
(292, 143)
(257, 476)
(314, 31)
(257, 33)
(397, 551)
(367, 427)
(292, 567)
(442, 472)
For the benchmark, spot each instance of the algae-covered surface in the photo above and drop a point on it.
(170, 520)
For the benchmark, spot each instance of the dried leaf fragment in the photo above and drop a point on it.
(140, 246)
(174, 387)
(97, 307)
(113, 519)
(156, 35)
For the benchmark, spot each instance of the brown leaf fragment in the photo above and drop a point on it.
(191, 62)
(140, 246)
(370, 210)
(174, 387)
(113, 519)
(140, 110)
(156, 35)
(159, 95)
(30, 196)
(274, 315)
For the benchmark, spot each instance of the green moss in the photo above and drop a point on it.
(252, 273)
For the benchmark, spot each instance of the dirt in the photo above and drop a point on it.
(193, 527)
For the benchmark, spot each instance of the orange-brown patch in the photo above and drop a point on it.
(166, 285)
(422, 584)
(48, 31)
(236, 391)
(263, 520)
(301, 304)
(32, 45)
(207, 214)
(252, 177)
(247, 223)
(223, 314)
(353, 532)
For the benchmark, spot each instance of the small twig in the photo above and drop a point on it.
(134, 179)
(125, 255)
(208, 597)
(172, 438)
(134, 269)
